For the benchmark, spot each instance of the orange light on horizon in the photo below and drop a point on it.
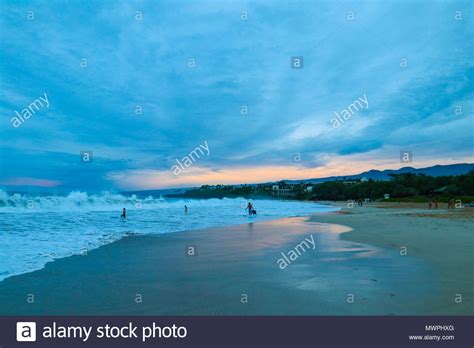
(197, 176)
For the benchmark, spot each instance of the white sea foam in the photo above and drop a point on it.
(74, 201)
(37, 229)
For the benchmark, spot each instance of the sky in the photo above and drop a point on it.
(140, 85)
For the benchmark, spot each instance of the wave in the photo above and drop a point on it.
(104, 201)
(75, 200)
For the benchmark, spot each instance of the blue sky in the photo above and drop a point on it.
(238, 63)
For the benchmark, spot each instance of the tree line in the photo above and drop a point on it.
(399, 186)
(406, 186)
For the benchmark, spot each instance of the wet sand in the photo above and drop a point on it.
(443, 238)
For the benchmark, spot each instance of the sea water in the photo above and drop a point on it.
(35, 230)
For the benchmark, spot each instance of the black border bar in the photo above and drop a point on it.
(256, 331)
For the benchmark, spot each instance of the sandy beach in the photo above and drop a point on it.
(444, 238)
(355, 268)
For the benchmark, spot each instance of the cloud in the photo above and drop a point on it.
(238, 63)
(30, 182)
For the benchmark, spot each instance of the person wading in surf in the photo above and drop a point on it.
(251, 209)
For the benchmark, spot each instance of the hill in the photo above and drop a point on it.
(437, 170)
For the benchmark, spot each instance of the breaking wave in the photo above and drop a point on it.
(76, 200)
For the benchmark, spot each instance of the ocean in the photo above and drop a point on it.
(35, 230)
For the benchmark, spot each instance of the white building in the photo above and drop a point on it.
(278, 192)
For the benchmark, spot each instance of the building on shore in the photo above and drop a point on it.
(282, 192)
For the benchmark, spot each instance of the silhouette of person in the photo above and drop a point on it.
(250, 208)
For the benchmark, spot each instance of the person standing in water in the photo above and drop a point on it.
(185, 209)
(124, 214)
(250, 208)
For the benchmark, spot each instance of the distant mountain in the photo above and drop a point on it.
(437, 170)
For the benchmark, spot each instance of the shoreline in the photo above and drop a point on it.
(241, 259)
(133, 232)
